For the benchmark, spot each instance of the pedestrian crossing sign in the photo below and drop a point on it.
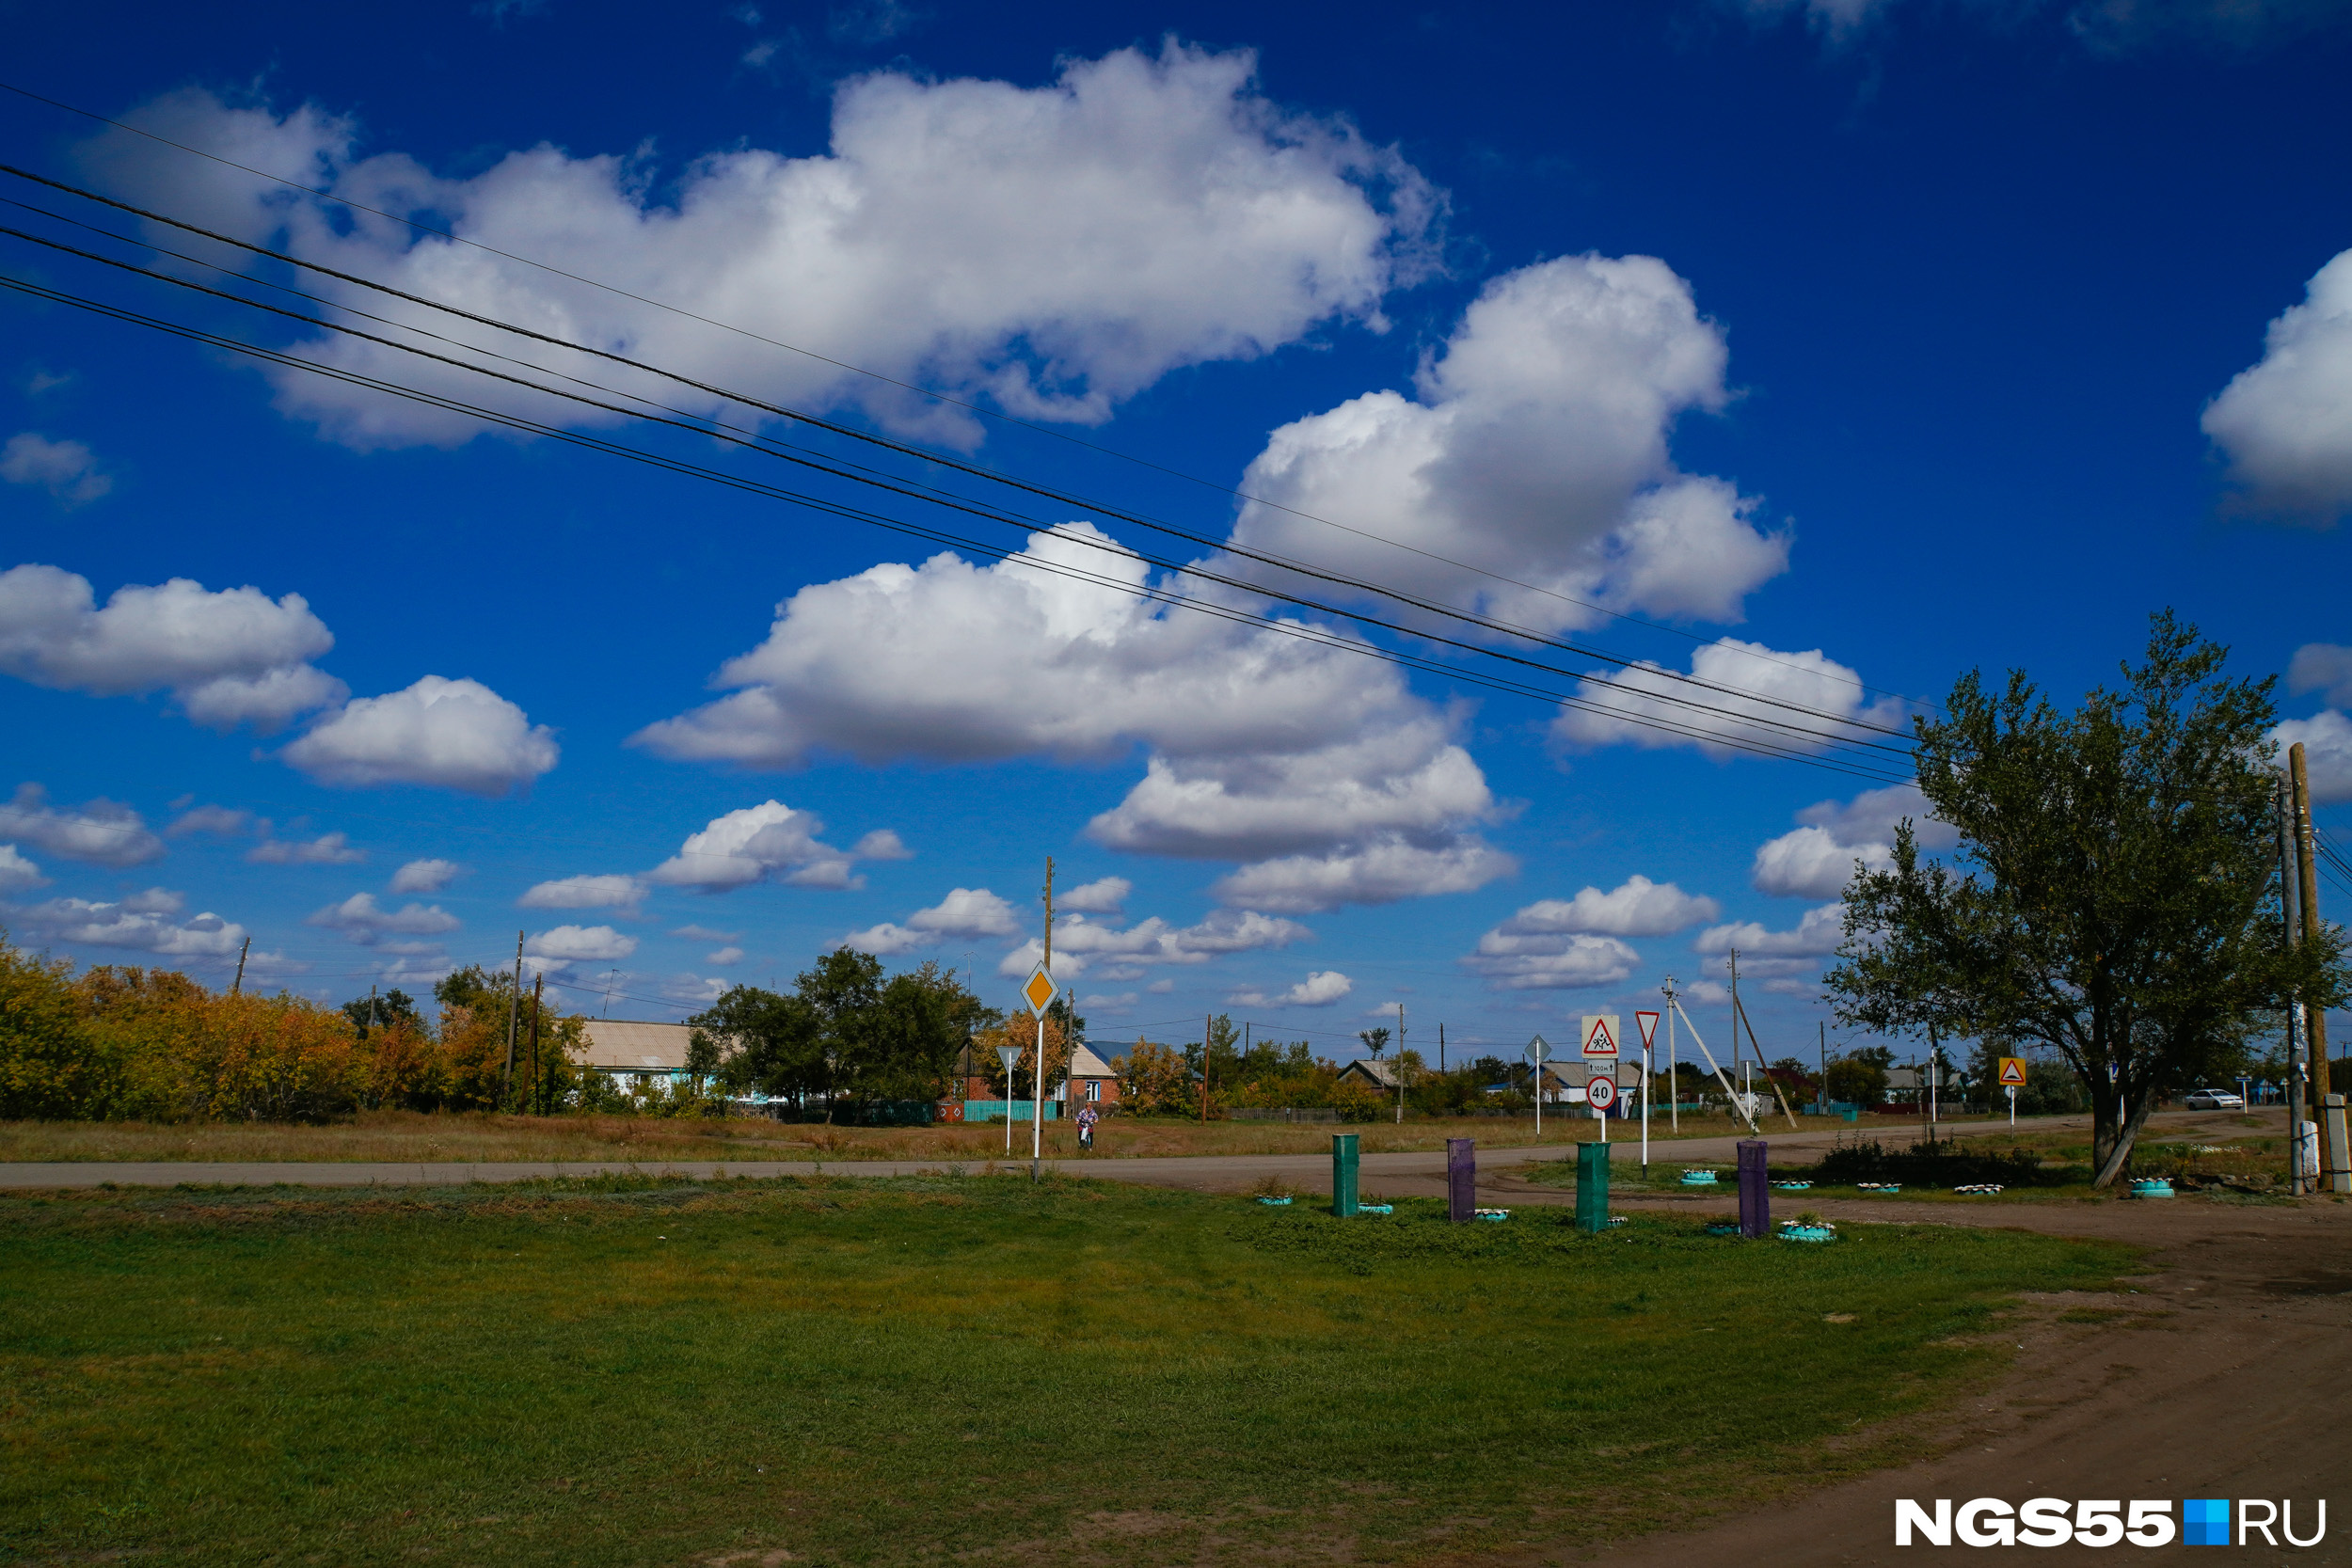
(1600, 1034)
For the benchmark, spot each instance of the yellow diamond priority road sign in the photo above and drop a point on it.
(1039, 992)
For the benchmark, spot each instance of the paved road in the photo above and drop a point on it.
(1207, 1172)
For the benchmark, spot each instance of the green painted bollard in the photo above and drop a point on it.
(1343, 1175)
(1592, 1188)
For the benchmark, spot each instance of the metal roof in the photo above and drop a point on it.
(620, 1044)
(1084, 1063)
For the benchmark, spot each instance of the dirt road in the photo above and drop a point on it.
(1205, 1173)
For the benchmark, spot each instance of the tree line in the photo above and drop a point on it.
(118, 1043)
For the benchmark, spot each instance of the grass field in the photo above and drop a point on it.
(624, 1372)
(479, 1136)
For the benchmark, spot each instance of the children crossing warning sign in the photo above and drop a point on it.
(2013, 1072)
(1600, 1034)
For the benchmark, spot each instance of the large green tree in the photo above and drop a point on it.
(2114, 895)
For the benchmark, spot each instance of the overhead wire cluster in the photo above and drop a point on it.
(1481, 647)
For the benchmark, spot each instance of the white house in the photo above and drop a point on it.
(636, 1054)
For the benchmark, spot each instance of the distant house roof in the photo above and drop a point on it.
(1374, 1070)
(1084, 1063)
(626, 1045)
(1902, 1078)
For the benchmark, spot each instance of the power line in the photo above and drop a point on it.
(1758, 744)
(978, 409)
(976, 471)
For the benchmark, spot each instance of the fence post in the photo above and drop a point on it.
(1592, 1188)
(1461, 1179)
(1756, 1212)
(1343, 1175)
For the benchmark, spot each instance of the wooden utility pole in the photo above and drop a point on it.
(1207, 1042)
(1049, 935)
(2316, 1019)
(2331, 1160)
(2298, 1177)
(1400, 1067)
(1823, 1097)
(513, 1008)
(238, 984)
(1441, 1049)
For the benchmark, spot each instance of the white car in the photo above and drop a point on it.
(2214, 1099)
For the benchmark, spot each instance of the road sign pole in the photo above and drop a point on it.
(1648, 1024)
(2012, 1109)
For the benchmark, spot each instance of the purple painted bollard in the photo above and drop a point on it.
(1756, 1216)
(1461, 1179)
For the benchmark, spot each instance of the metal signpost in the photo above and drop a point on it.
(1648, 1024)
(1038, 991)
(1011, 1056)
(1600, 1045)
(2013, 1079)
(1601, 1094)
(1538, 1048)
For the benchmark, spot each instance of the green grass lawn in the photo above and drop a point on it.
(880, 1371)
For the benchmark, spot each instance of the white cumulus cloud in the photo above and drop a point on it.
(1534, 450)
(1636, 907)
(1079, 941)
(18, 873)
(1104, 895)
(426, 876)
(230, 658)
(67, 469)
(1751, 695)
(1320, 988)
(326, 849)
(2325, 668)
(1263, 744)
(882, 844)
(571, 943)
(1817, 860)
(966, 912)
(767, 842)
(2286, 421)
(144, 922)
(1818, 933)
(1378, 870)
(361, 920)
(1551, 960)
(1139, 213)
(446, 734)
(102, 833)
(2326, 742)
(218, 820)
(585, 893)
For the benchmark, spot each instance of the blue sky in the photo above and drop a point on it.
(1827, 350)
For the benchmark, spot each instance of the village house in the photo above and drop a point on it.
(635, 1055)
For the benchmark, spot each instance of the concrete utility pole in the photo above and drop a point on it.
(238, 984)
(1674, 1077)
(514, 1008)
(2335, 1161)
